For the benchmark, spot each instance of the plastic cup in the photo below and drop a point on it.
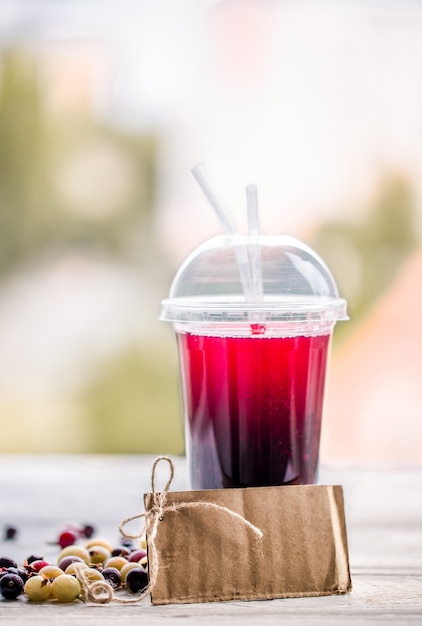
(253, 370)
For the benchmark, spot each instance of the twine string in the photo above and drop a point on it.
(101, 592)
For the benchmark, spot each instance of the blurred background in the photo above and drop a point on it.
(105, 107)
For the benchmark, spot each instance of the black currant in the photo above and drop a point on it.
(11, 586)
(136, 579)
(19, 571)
(6, 562)
(10, 533)
(112, 576)
(88, 530)
(121, 551)
(33, 558)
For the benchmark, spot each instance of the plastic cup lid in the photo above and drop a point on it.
(295, 285)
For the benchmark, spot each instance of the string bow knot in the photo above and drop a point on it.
(100, 591)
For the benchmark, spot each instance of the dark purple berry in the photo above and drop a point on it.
(11, 586)
(33, 558)
(10, 533)
(68, 560)
(88, 531)
(19, 571)
(136, 579)
(121, 551)
(127, 543)
(112, 576)
(6, 562)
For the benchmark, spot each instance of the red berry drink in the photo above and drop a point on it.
(253, 363)
(253, 407)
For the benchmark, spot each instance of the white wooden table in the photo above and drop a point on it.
(39, 495)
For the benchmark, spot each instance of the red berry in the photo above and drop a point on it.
(137, 555)
(67, 538)
(37, 565)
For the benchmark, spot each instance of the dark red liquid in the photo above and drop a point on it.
(253, 407)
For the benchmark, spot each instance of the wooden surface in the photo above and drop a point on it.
(40, 495)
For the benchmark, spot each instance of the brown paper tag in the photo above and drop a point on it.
(248, 544)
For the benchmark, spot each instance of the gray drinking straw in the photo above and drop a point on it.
(240, 250)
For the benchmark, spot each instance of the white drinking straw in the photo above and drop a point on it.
(240, 251)
(207, 187)
(255, 252)
(252, 205)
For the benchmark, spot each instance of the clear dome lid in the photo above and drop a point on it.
(218, 283)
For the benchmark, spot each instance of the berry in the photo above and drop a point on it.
(50, 572)
(6, 562)
(15, 570)
(112, 576)
(90, 572)
(35, 566)
(37, 588)
(67, 538)
(33, 558)
(88, 530)
(120, 551)
(137, 555)
(9, 533)
(99, 554)
(136, 579)
(65, 588)
(116, 561)
(98, 542)
(75, 551)
(73, 567)
(11, 586)
(126, 568)
(68, 560)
